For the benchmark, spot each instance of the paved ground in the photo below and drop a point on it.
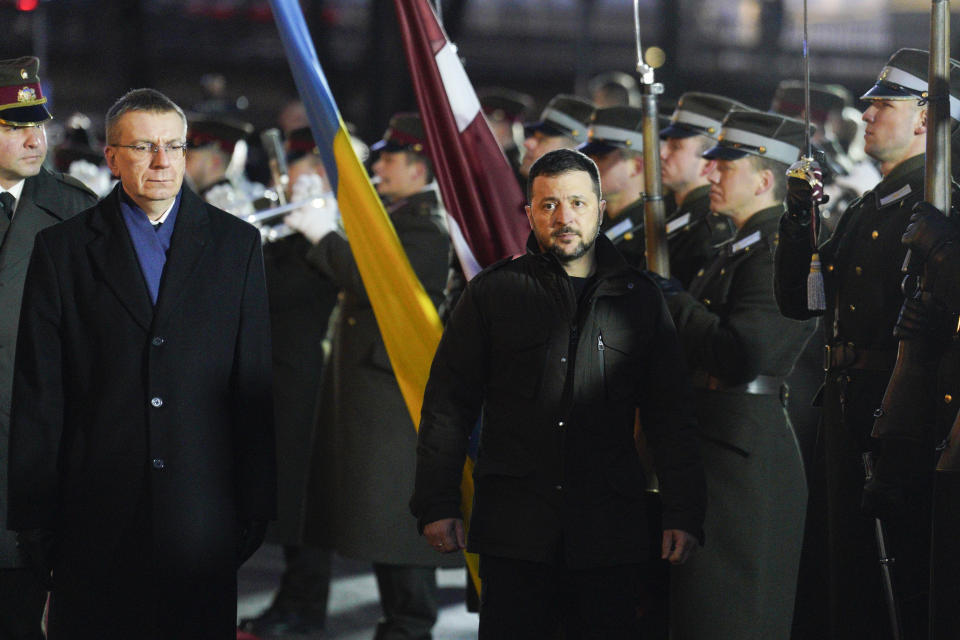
(354, 604)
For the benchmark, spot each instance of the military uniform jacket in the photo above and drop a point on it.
(365, 450)
(729, 323)
(47, 198)
(557, 477)
(693, 234)
(741, 585)
(128, 416)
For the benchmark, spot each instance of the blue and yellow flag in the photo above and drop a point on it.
(407, 318)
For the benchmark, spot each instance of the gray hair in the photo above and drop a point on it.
(141, 100)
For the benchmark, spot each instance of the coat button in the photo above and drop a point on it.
(875, 234)
(351, 321)
(157, 341)
(156, 402)
(563, 358)
(948, 398)
(560, 424)
(859, 270)
(158, 463)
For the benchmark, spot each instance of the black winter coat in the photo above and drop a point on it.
(558, 476)
(132, 420)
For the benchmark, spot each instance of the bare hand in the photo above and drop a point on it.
(677, 546)
(446, 536)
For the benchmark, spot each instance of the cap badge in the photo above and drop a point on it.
(26, 94)
(884, 73)
(24, 74)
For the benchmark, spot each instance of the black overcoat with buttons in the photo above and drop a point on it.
(47, 198)
(142, 435)
(861, 265)
(742, 584)
(557, 478)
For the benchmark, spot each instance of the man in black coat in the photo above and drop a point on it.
(31, 198)
(559, 350)
(142, 469)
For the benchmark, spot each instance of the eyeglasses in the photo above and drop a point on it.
(144, 149)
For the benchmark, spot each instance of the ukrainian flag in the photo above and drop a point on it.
(407, 318)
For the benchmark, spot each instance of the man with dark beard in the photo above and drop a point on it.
(558, 350)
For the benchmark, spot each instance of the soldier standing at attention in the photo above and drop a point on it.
(31, 198)
(693, 231)
(739, 348)
(563, 125)
(862, 275)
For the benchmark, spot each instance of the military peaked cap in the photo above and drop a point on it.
(505, 104)
(21, 100)
(564, 115)
(699, 114)
(766, 135)
(788, 100)
(905, 78)
(404, 133)
(614, 128)
(222, 132)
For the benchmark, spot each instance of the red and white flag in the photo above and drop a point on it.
(477, 184)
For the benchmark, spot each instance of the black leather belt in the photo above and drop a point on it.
(761, 385)
(849, 356)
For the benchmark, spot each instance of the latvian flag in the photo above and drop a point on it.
(478, 187)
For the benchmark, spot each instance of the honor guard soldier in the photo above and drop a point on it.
(563, 124)
(31, 198)
(505, 111)
(693, 230)
(739, 348)
(213, 155)
(844, 180)
(861, 266)
(363, 463)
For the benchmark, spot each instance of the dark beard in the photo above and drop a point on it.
(581, 250)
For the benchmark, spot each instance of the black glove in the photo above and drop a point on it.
(669, 286)
(928, 230)
(804, 190)
(37, 547)
(913, 321)
(902, 474)
(249, 538)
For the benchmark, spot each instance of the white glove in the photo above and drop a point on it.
(230, 199)
(320, 217)
(97, 179)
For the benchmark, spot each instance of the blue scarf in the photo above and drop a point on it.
(150, 244)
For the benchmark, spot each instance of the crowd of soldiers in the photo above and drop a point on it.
(788, 545)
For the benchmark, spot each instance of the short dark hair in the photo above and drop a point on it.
(413, 156)
(779, 171)
(140, 100)
(561, 161)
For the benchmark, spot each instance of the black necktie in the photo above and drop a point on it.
(7, 201)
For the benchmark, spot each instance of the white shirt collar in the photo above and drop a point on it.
(159, 221)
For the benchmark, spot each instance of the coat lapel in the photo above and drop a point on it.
(112, 253)
(190, 237)
(37, 208)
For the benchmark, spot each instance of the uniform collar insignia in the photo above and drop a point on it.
(743, 243)
(678, 223)
(899, 194)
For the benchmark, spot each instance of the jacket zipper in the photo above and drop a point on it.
(603, 369)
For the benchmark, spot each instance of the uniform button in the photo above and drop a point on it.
(156, 402)
(628, 236)
(351, 321)
(158, 463)
(157, 341)
(723, 272)
(875, 234)
(560, 424)
(829, 267)
(859, 270)
(853, 307)
(563, 358)
(948, 398)
(701, 272)
(706, 301)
